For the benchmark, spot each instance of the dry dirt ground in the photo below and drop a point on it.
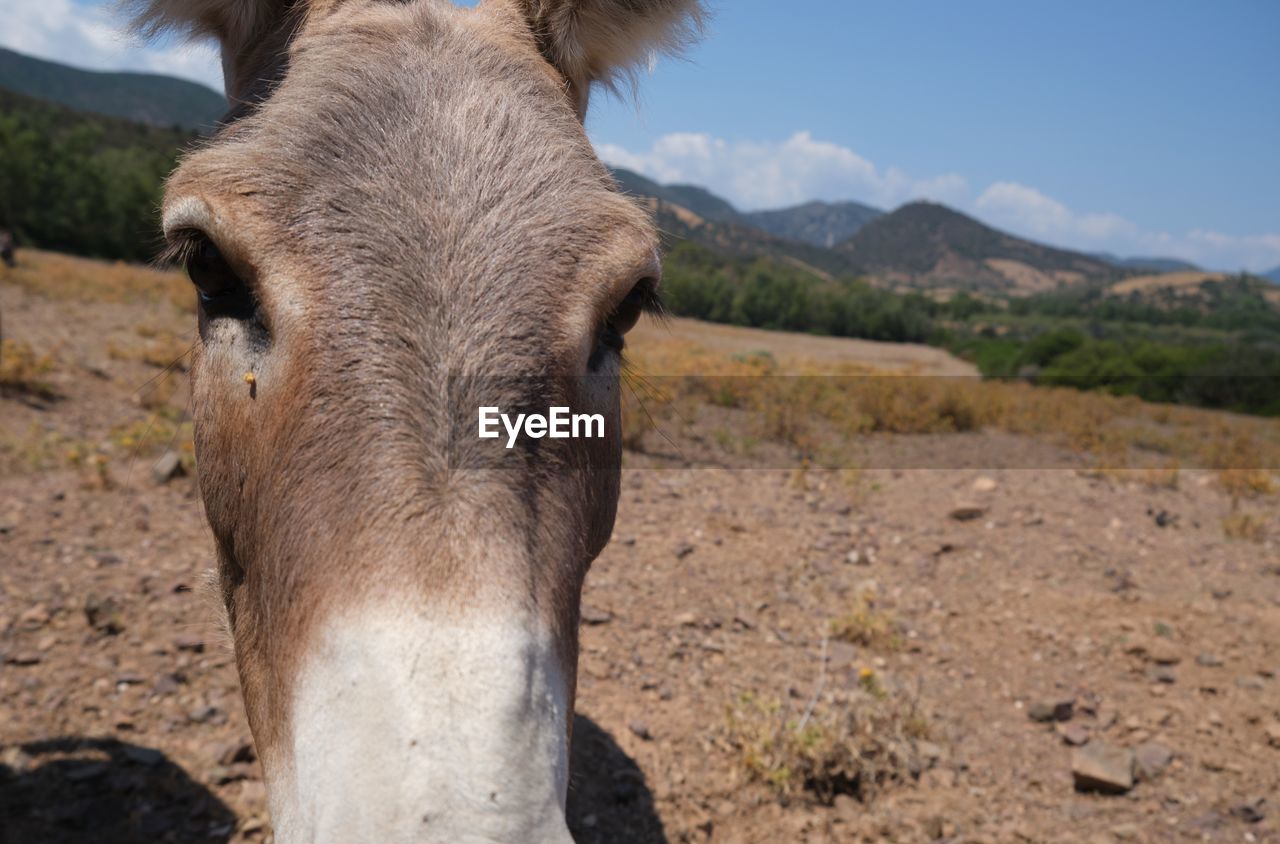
(986, 597)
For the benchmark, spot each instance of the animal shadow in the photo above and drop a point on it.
(77, 790)
(609, 800)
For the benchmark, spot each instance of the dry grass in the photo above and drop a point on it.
(821, 416)
(853, 741)
(68, 278)
(23, 370)
(1245, 526)
(867, 625)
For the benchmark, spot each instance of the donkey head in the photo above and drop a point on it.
(402, 220)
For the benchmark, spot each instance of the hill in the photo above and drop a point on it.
(1272, 275)
(699, 200)
(690, 213)
(928, 246)
(816, 223)
(82, 183)
(1148, 265)
(141, 97)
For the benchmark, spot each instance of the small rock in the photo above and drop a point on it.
(227, 774)
(167, 468)
(967, 512)
(683, 550)
(1102, 768)
(1125, 831)
(594, 616)
(24, 658)
(1208, 660)
(1163, 652)
(1075, 735)
(1251, 683)
(1162, 674)
(1150, 760)
(1273, 735)
(150, 757)
(641, 730)
(1045, 712)
(687, 619)
(189, 642)
(984, 484)
(104, 614)
(855, 558)
(1254, 811)
(237, 752)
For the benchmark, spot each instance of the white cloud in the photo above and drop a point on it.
(1026, 211)
(94, 37)
(770, 174)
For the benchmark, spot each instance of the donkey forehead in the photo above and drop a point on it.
(421, 125)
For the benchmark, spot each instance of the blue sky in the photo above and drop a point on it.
(1138, 127)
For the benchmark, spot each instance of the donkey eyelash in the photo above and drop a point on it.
(182, 244)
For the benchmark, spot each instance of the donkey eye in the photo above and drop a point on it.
(641, 299)
(222, 292)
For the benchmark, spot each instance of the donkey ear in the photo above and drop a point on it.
(606, 41)
(252, 34)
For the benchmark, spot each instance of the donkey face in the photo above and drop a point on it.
(404, 221)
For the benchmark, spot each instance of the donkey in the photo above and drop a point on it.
(401, 202)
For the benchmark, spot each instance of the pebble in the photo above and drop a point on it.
(189, 642)
(104, 614)
(967, 512)
(641, 730)
(168, 467)
(1150, 760)
(1102, 768)
(1208, 660)
(1075, 735)
(1045, 712)
(594, 616)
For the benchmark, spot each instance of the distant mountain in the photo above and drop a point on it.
(687, 212)
(1148, 265)
(1272, 275)
(928, 246)
(817, 223)
(141, 97)
(700, 201)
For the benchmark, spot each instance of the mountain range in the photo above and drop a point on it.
(920, 246)
(141, 97)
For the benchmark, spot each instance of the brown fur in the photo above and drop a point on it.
(410, 194)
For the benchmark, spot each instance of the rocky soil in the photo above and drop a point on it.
(1091, 659)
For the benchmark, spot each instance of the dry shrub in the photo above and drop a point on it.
(23, 370)
(854, 741)
(1244, 526)
(867, 625)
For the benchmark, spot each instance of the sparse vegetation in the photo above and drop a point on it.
(853, 741)
(23, 370)
(867, 624)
